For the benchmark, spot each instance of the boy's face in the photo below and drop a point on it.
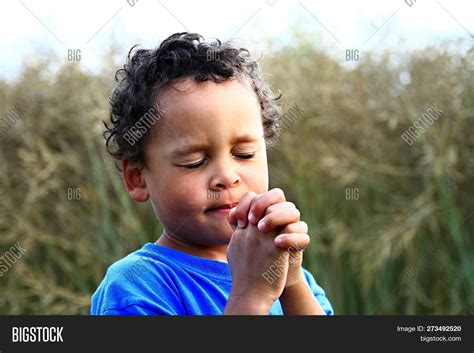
(206, 151)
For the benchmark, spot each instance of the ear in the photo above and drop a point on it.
(134, 181)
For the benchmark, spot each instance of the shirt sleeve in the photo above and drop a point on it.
(131, 288)
(318, 293)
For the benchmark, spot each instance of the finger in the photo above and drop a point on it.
(292, 241)
(290, 207)
(278, 206)
(243, 208)
(259, 205)
(297, 227)
(280, 217)
(232, 218)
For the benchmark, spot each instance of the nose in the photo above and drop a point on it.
(225, 175)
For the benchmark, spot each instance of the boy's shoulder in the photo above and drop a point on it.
(138, 267)
(138, 279)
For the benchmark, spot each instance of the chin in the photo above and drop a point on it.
(220, 238)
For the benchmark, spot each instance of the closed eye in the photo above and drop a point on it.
(201, 162)
(193, 165)
(245, 156)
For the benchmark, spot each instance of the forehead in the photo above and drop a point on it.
(207, 110)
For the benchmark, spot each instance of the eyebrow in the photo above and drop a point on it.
(246, 138)
(197, 147)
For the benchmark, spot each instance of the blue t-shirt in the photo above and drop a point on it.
(156, 280)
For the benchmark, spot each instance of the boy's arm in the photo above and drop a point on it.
(246, 306)
(300, 300)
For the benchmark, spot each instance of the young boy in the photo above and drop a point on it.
(190, 121)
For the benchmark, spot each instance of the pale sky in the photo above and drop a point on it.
(38, 27)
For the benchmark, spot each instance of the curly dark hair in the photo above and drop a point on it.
(147, 71)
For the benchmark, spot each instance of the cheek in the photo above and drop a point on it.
(257, 178)
(184, 194)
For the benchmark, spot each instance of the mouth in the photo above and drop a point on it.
(223, 208)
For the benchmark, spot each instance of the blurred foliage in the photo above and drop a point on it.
(391, 224)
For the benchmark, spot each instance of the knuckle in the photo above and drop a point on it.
(250, 195)
(255, 203)
(279, 192)
(298, 213)
(296, 228)
(253, 194)
(304, 226)
(244, 201)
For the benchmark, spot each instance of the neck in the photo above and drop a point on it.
(217, 253)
